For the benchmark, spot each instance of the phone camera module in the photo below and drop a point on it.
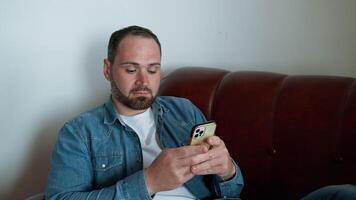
(199, 132)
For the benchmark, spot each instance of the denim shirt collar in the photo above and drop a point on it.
(110, 116)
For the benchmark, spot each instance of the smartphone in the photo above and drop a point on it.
(201, 132)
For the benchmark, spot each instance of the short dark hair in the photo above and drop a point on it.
(119, 35)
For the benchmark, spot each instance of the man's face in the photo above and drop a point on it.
(135, 73)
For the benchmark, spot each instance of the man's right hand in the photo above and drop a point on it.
(171, 168)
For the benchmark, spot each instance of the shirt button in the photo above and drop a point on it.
(103, 165)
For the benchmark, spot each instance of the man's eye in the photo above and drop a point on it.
(130, 71)
(152, 71)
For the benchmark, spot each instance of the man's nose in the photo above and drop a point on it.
(142, 78)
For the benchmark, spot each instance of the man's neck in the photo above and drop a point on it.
(124, 110)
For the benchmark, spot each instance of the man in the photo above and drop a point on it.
(135, 145)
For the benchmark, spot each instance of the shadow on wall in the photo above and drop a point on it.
(33, 178)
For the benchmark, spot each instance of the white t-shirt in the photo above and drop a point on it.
(145, 127)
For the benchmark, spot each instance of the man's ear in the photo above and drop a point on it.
(107, 69)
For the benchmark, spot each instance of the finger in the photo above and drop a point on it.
(220, 170)
(185, 174)
(215, 141)
(196, 159)
(215, 157)
(218, 151)
(208, 167)
(220, 154)
(180, 176)
(188, 151)
(207, 145)
(211, 154)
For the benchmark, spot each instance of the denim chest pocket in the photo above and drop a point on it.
(104, 163)
(107, 170)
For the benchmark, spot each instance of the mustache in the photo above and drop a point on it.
(141, 88)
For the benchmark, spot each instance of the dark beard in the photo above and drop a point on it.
(138, 103)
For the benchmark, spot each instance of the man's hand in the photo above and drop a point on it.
(172, 168)
(216, 161)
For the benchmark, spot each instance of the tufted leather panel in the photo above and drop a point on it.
(197, 84)
(243, 111)
(345, 155)
(306, 127)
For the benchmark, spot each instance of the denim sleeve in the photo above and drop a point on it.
(230, 188)
(198, 115)
(71, 174)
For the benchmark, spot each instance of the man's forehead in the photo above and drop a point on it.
(139, 64)
(134, 38)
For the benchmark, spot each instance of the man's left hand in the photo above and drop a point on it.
(216, 161)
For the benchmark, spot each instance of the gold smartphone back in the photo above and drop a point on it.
(201, 132)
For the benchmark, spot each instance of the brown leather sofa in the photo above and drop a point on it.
(290, 134)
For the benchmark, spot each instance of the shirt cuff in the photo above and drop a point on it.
(134, 187)
(233, 186)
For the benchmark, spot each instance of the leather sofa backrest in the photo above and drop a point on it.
(290, 134)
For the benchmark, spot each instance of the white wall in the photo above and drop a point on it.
(51, 58)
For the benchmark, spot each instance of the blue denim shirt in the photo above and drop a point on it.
(97, 157)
